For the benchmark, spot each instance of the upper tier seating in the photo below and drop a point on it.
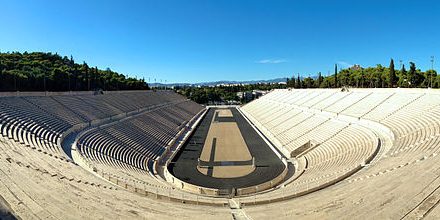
(39, 121)
(121, 148)
(331, 119)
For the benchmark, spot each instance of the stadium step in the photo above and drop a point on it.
(236, 211)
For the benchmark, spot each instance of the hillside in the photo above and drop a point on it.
(38, 71)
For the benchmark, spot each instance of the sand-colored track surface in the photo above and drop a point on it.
(225, 113)
(224, 143)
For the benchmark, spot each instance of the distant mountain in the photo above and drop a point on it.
(277, 80)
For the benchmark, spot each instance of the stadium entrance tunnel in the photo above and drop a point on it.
(226, 156)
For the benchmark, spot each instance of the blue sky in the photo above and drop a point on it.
(195, 41)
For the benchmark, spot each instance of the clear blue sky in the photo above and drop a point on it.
(207, 40)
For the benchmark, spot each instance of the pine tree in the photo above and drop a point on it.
(362, 78)
(319, 80)
(86, 71)
(336, 76)
(292, 82)
(403, 70)
(288, 82)
(298, 82)
(95, 77)
(392, 81)
(413, 76)
(403, 79)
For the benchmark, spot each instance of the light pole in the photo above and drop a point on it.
(432, 70)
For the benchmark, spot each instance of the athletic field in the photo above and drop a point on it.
(225, 152)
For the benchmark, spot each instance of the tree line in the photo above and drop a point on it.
(221, 93)
(38, 71)
(356, 76)
(370, 77)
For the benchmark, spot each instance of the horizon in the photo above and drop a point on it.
(196, 41)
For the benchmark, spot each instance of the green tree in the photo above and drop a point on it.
(429, 77)
(411, 74)
(392, 79)
(95, 82)
(308, 82)
(45, 71)
(86, 75)
(336, 76)
(414, 76)
(298, 82)
(403, 78)
(319, 80)
(291, 82)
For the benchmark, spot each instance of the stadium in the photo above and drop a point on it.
(145, 154)
(203, 109)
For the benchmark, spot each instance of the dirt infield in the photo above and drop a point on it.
(224, 143)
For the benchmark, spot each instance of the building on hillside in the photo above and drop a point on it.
(356, 67)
